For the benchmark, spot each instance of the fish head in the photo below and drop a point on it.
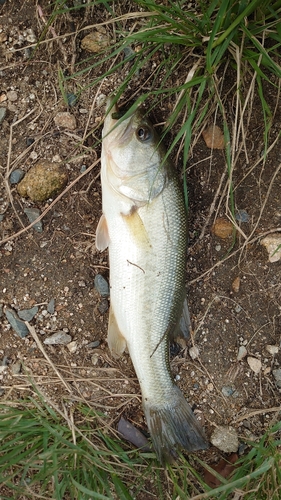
(132, 159)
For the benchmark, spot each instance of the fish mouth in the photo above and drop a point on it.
(113, 119)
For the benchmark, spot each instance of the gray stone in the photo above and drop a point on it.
(17, 324)
(51, 306)
(277, 375)
(225, 439)
(58, 338)
(227, 391)
(28, 314)
(16, 368)
(3, 112)
(101, 285)
(32, 215)
(16, 176)
(94, 344)
(103, 306)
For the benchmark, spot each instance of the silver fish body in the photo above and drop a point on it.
(144, 226)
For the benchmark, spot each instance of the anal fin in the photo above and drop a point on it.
(116, 342)
(183, 327)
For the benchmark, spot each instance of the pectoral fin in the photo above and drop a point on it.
(137, 228)
(102, 236)
(116, 342)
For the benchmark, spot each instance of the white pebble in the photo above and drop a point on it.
(272, 349)
(254, 364)
(194, 352)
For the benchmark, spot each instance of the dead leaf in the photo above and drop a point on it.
(225, 467)
(133, 435)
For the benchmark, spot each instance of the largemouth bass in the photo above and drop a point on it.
(144, 227)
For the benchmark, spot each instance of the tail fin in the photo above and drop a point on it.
(173, 426)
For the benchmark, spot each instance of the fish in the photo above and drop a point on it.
(144, 227)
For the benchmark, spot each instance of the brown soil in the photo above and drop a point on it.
(61, 262)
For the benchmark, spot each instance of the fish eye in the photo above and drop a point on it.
(143, 134)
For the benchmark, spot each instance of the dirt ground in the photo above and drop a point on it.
(233, 302)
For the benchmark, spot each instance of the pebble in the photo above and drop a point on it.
(96, 41)
(28, 314)
(242, 216)
(225, 439)
(213, 137)
(71, 99)
(194, 352)
(222, 228)
(236, 284)
(272, 243)
(101, 285)
(272, 349)
(103, 306)
(3, 112)
(43, 180)
(17, 324)
(95, 359)
(30, 35)
(227, 391)
(94, 344)
(72, 346)
(12, 95)
(33, 214)
(51, 306)
(65, 119)
(242, 352)
(254, 364)
(16, 368)
(29, 141)
(16, 176)
(58, 338)
(277, 376)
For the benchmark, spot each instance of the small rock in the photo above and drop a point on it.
(65, 120)
(71, 99)
(254, 364)
(94, 344)
(225, 439)
(277, 376)
(194, 352)
(222, 228)
(16, 368)
(43, 180)
(103, 306)
(242, 352)
(236, 284)
(272, 243)
(16, 176)
(17, 324)
(58, 338)
(242, 216)
(51, 306)
(32, 215)
(3, 112)
(101, 285)
(96, 41)
(28, 314)
(72, 346)
(272, 349)
(29, 141)
(213, 137)
(95, 359)
(30, 37)
(227, 391)
(12, 95)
